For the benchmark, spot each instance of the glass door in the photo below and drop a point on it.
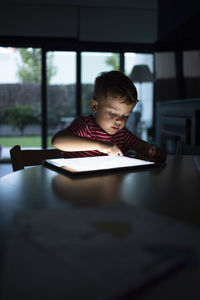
(141, 120)
(61, 90)
(94, 63)
(20, 98)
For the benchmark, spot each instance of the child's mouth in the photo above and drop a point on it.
(115, 128)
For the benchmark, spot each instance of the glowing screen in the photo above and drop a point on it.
(84, 164)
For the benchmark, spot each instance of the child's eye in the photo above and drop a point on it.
(112, 115)
(125, 118)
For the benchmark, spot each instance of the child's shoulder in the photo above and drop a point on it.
(86, 119)
(81, 118)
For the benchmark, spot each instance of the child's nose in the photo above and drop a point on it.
(118, 118)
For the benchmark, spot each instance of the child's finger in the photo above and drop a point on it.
(152, 151)
(120, 153)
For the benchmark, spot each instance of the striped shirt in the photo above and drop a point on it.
(87, 127)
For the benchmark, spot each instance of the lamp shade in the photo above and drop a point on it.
(141, 73)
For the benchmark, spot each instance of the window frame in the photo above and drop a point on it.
(64, 44)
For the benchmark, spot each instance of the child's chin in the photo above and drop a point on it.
(111, 132)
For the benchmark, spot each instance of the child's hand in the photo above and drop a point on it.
(110, 148)
(157, 153)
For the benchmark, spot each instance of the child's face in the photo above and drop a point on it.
(111, 114)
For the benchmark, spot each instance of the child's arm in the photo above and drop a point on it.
(151, 151)
(66, 141)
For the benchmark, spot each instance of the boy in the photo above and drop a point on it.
(115, 96)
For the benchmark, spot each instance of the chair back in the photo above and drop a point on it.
(22, 158)
(184, 149)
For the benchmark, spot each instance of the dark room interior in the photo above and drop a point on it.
(129, 230)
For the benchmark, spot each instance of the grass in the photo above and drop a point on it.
(23, 141)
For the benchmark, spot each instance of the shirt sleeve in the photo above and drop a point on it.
(79, 127)
(130, 140)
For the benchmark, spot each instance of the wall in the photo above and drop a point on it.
(172, 17)
(107, 21)
(166, 86)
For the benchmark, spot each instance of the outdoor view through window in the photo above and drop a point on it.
(61, 91)
(20, 97)
(20, 91)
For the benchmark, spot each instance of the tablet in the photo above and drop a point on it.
(95, 164)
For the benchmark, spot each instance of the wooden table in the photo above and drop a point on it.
(172, 190)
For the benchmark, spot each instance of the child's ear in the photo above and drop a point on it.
(94, 105)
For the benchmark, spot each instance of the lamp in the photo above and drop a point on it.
(141, 73)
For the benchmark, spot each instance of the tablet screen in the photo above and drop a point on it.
(88, 164)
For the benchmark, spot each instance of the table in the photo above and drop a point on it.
(171, 191)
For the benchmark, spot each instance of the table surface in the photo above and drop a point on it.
(171, 190)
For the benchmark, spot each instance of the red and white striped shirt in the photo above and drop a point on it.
(87, 127)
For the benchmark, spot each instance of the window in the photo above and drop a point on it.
(20, 90)
(20, 94)
(94, 63)
(61, 91)
(142, 118)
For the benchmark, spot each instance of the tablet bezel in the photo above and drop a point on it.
(66, 170)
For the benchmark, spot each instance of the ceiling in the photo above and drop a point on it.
(143, 4)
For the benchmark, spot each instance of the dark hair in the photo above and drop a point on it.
(115, 84)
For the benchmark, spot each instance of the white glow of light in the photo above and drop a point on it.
(101, 54)
(98, 163)
(63, 53)
(130, 55)
(5, 50)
